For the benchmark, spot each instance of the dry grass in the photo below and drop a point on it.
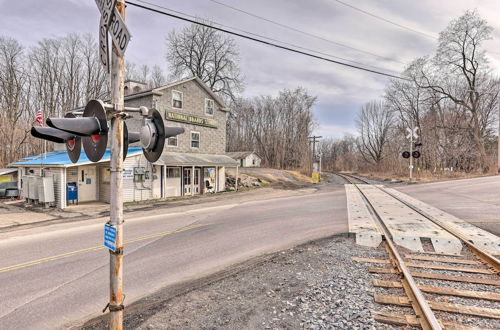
(422, 176)
(299, 175)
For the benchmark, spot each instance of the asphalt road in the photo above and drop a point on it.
(474, 200)
(57, 276)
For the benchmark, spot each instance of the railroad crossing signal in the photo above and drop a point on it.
(92, 129)
(153, 134)
(414, 154)
(412, 133)
(72, 141)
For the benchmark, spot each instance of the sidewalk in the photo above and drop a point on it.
(14, 217)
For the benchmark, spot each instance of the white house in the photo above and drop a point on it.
(246, 158)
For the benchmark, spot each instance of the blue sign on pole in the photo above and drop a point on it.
(110, 237)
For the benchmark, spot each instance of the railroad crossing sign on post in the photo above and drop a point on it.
(412, 134)
(112, 21)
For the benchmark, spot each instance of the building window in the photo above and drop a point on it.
(177, 99)
(105, 175)
(172, 141)
(209, 107)
(195, 140)
(173, 172)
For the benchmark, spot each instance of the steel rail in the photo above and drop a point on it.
(429, 320)
(490, 259)
(485, 256)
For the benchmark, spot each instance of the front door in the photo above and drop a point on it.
(87, 183)
(188, 172)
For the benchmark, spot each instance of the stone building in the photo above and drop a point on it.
(192, 163)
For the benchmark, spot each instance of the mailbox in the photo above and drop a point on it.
(72, 192)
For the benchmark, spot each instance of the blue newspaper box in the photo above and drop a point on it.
(72, 192)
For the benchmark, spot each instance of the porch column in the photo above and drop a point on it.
(237, 170)
(192, 181)
(216, 178)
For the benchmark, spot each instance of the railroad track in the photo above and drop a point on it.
(429, 281)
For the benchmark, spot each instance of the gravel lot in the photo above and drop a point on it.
(313, 286)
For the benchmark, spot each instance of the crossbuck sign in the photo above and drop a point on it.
(412, 133)
(112, 22)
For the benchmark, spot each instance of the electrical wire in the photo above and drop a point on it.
(268, 38)
(304, 32)
(386, 20)
(262, 41)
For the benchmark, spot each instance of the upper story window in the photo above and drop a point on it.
(172, 141)
(177, 99)
(209, 107)
(195, 139)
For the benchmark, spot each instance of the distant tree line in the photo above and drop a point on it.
(277, 128)
(452, 96)
(56, 75)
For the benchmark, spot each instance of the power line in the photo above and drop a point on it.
(304, 32)
(263, 41)
(268, 38)
(386, 20)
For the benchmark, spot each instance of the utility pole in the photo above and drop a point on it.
(314, 144)
(411, 153)
(314, 174)
(116, 182)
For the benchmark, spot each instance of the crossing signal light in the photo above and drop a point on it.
(153, 134)
(406, 154)
(91, 131)
(416, 154)
(72, 141)
(92, 127)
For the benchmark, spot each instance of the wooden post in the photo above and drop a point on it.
(116, 183)
(237, 170)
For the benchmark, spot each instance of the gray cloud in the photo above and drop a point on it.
(340, 91)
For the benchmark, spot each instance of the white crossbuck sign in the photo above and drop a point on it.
(112, 22)
(412, 132)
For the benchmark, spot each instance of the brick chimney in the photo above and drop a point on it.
(133, 87)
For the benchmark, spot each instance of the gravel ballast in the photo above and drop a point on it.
(313, 286)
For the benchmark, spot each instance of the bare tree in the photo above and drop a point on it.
(203, 52)
(157, 78)
(459, 72)
(374, 123)
(276, 127)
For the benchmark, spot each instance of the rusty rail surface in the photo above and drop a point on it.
(428, 319)
(426, 312)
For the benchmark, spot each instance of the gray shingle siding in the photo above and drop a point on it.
(212, 140)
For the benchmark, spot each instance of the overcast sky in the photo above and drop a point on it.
(340, 91)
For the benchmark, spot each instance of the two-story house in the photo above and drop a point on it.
(192, 163)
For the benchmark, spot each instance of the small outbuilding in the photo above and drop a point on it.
(246, 158)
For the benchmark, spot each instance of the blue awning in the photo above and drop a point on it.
(60, 158)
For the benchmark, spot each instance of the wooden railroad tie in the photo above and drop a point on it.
(440, 306)
(452, 268)
(441, 259)
(434, 276)
(412, 320)
(442, 290)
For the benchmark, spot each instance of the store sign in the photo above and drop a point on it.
(173, 116)
(128, 173)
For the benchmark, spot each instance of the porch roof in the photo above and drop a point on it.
(60, 158)
(192, 159)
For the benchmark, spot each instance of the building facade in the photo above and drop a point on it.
(192, 163)
(246, 158)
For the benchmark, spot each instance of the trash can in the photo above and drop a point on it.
(72, 192)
